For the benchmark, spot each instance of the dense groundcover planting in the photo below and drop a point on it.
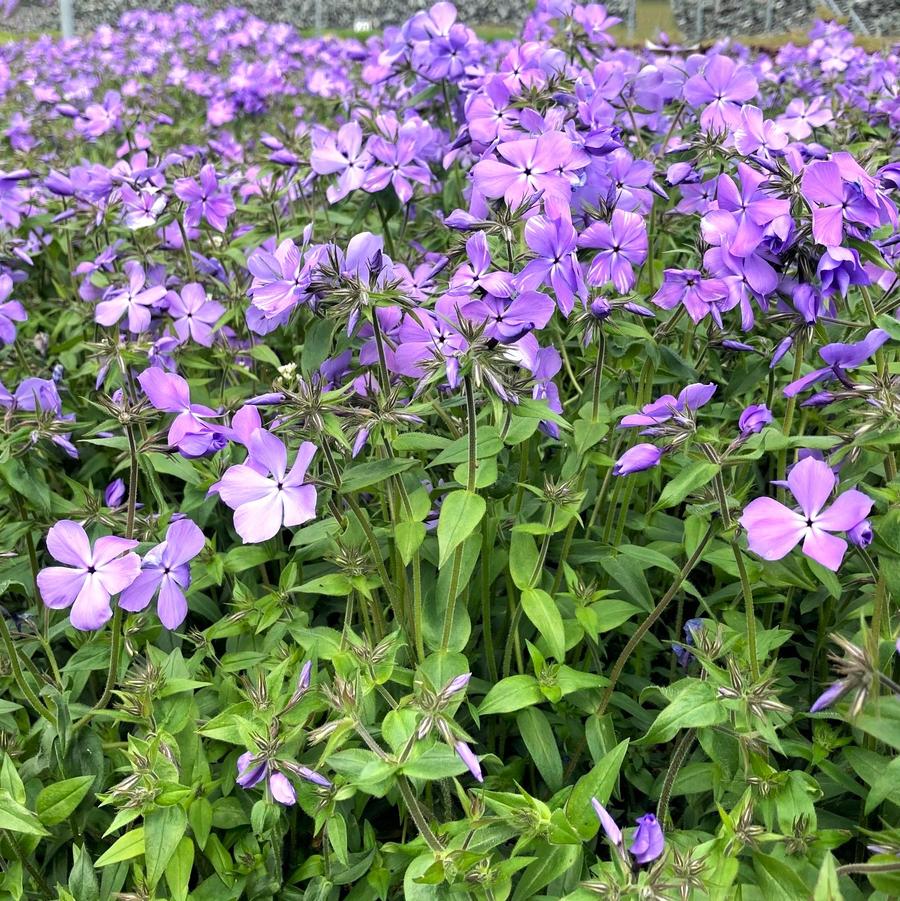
(433, 468)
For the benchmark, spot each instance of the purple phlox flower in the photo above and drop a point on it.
(637, 459)
(507, 320)
(799, 118)
(205, 200)
(489, 113)
(194, 313)
(723, 85)
(833, 693)
(745, 216)
(303, 682)
(840, 358)
(281, 278)
(835, 202)
(628, 182)
(861, 534)
(548, 163)
(809, 302)
(553, 240)
(755, 134)
(170, 393)
(596, 23)
(622, 245)
(426, 335)
(477, 275)
(99, 118)
(419, 283)
(341, 154)
(445, 46)
(396, 163)
(699, 295)
(165, 570)
(667, 407)
(34, 394)
(252, 769)
(262, 505)
(773, 530)
(608, 824)
(133, 300)
(90, 576)
(753, 419)
(839, 268)
(746, 278)
(143, 206)
(467, 756)
(648, 842)
(454, 686)
(11, 311)
(114, 493)
(681, 651)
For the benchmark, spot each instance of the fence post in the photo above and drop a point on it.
(631, 18)
(66, 18)
(698, 19)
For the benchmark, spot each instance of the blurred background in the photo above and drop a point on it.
(761, 22)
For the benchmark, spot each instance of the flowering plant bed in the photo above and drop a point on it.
(437, 468)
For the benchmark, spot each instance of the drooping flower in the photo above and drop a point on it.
(637, 459)
(753, 419)
(165, 570)
(90, 576)
(262, 505)
(840, 358)
(467, 756)
(608, 824)
(773, 529)
(252, 771)
(667, 407)
(11, 311)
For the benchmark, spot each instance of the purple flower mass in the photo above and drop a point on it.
(388, 423)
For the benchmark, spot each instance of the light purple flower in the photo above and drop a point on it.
(722, 85)
(133, 300)
(861, 534)
(169, 392)
(343, 155)
(753, 419)
(194, 313)
(622, 244)
(469, 759)
(773, 530)
(648, 842)
(262, 505)
(205, 200)
(11, 311)
(91, 575)
(828, 697)
(165, 570)
(252, 771)
(610, 829)
(667, 407)
(637, 459)
(553, 241)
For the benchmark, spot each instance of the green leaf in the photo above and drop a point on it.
(511, 693)
(246, 556)
(550, 862)
(599, 784)
(333, 585)
(82, 878)
(541, 744)
(487, 444)
(409, 537)
(778, 880)
(692, 477)
(200, 817)
(544, 615)
(827, 887)
(695, 704)
(127, 847)
(365, 475)
(163, 830)
(56, 802)
(17, 818)
(178, 870)
(460, 514)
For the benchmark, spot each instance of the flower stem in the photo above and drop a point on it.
(470, 487)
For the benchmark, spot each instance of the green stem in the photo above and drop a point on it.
(651, 618)
(749, 608)
(682, 749)
(115, 651)
(487, 624)
(472, 426)
(19, 677)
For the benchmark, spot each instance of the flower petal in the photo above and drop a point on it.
(824, 548)
(811, 482)
(68, 543)
(772, 529)
(849, 510)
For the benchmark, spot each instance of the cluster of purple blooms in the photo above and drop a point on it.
(548, 173)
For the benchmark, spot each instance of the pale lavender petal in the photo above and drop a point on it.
(282, 790)
(68, 542)
(811, 481)
(825, 548)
